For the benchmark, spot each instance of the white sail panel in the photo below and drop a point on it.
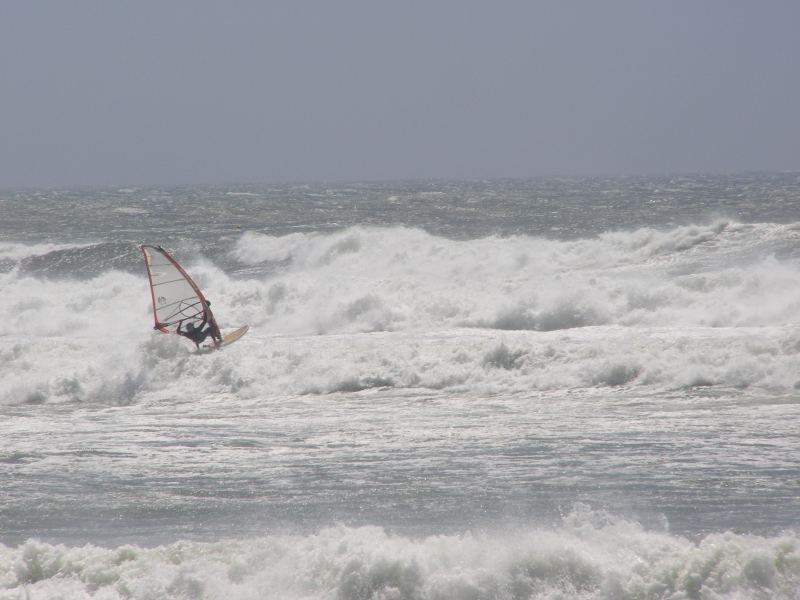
(176, 298)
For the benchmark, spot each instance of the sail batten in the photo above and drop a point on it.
(166, 282)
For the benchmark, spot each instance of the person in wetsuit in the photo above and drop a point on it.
(196, 333)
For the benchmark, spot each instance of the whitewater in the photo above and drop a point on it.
(556, 388)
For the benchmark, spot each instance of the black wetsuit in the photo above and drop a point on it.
(197, 335)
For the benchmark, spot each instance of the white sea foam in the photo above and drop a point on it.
(695, 306)
(590, 555)
(392, 279)
(63, 339)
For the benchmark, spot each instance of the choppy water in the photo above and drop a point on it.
(561, 388)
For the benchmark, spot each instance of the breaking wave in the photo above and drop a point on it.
(372, 279)
(590, 555)
(364, 308)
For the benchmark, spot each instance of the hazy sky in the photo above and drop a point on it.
(179, 91)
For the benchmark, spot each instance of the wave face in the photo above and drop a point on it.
(591, 555)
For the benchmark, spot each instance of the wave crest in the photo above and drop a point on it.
(591, 555)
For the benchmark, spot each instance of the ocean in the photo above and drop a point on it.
(557, 388)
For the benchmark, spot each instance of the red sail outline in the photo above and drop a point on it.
(185, 275)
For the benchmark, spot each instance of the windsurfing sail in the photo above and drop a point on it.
(176, 298)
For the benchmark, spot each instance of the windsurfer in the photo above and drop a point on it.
(196, 332)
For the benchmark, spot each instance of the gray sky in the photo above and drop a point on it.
(179, 91)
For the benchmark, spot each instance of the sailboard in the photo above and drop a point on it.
(177, 301)
(229, 338)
